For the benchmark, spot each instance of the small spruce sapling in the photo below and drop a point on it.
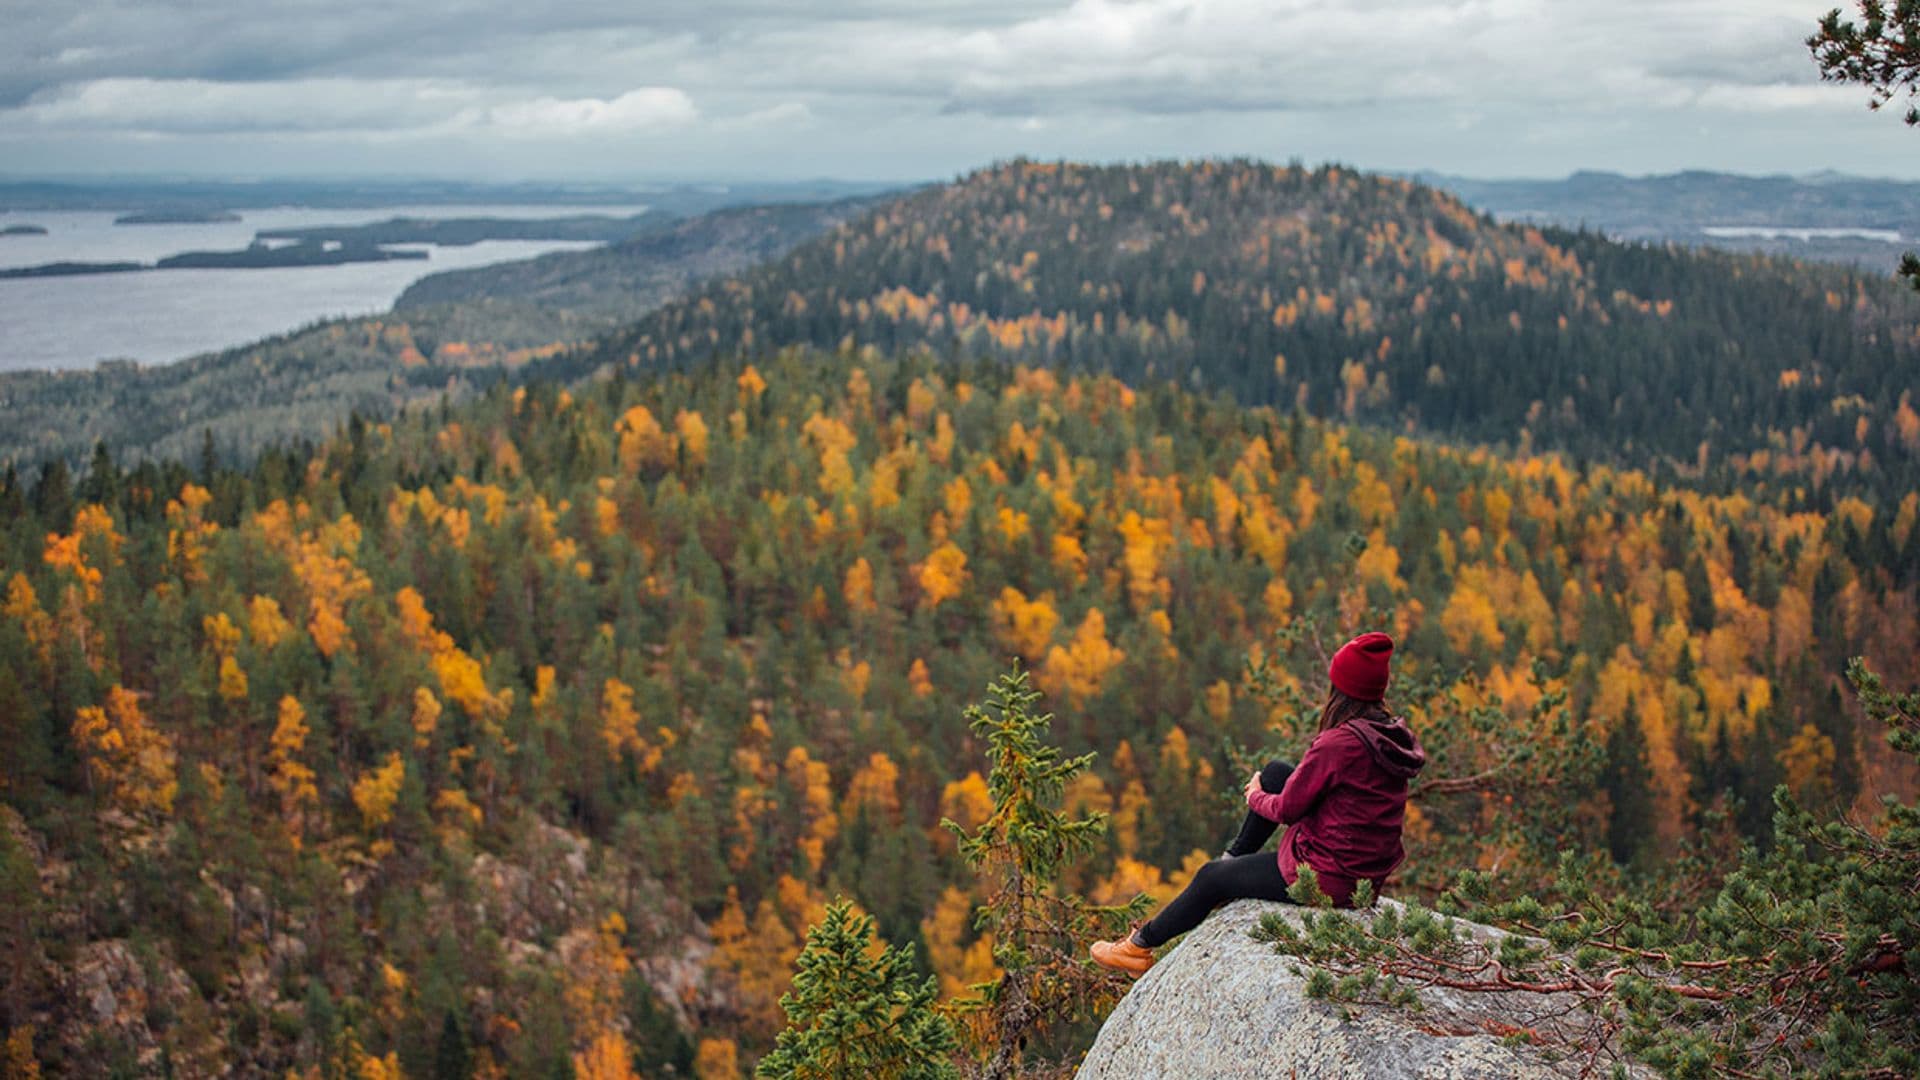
(855, 1011)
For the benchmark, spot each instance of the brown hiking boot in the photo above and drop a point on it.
(1123, 955)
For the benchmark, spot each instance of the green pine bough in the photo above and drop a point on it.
(1804, 962)
(857, 1012)
(1881, 52)
(1039, 932)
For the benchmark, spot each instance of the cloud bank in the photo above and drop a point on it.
(1518, 85)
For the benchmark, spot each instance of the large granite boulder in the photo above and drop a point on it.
(1221, 1006)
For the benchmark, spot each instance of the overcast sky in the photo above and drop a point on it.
(866, 89)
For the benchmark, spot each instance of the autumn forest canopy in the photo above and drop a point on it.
(529, 734)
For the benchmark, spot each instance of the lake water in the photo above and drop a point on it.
(165, 315)
(1775, 232)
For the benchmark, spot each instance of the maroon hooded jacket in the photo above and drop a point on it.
(1344, 804)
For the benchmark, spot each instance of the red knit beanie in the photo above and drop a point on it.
(1359, 669)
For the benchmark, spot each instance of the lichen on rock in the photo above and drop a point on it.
(1223, 1006)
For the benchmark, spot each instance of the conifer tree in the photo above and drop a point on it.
(1020, 851)
(1882, 53)
(857, 1012)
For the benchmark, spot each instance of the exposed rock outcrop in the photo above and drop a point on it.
(1223, 1006)
(132, 1006)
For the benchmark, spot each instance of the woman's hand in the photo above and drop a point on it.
(1253, 785)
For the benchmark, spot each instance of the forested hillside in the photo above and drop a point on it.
(1356, 297)
(627, 279)
(530, 736)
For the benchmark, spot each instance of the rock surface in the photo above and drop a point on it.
(1222, 1006)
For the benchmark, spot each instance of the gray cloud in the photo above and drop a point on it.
(955, 80)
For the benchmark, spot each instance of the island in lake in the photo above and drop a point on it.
(457, 232)
(256, 257)
(24, 230)
(177, 217)
(262, 256)
(70, 269)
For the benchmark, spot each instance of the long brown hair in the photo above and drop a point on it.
(1342, 707)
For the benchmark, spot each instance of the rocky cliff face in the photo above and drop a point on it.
(1223, 1006)
(130, 1006)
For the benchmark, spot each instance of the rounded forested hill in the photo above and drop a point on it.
(1352, 295)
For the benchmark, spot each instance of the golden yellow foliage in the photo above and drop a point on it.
(126, 754)
(1068, 558)
(751, 385)
(23, 607)
(1012, 524)
(1130, 878)
(1219, 697)
(814, 785)
(425, 718)
(1624, 684)
(66, 552)
(233, 680)
(1145, 541)
(596, 970)
(1469, 619)
(858, 587)
(606, 1057)
(1133, 805)
(874, 788)
(1807, 760)
(716, 1059)
(222, 636)
(323, 562)
(375, 792)
(758, 960)
(369, 1067)
(1025, 626)
(966, 802)
(17, 1061)
(543, 684)
(1380, 562)
(461, 677)
(643, 443)
(960, 964)
(1079, 670)
(956, 497)
(266, 624)
(288, 775)
(942, 576)
(856, 677)
(940, 449)
(691, 431)
(1370, 498)
(188, 533)
(832, 441)
(619, 720)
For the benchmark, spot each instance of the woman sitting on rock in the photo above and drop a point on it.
(1343, 806)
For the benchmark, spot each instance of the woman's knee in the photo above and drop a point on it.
(1273, 777)
(1209, 878)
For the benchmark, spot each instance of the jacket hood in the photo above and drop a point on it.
(1394, 746)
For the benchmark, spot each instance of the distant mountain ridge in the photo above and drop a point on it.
(1684, 207)
(1693, 198)
(218, 195)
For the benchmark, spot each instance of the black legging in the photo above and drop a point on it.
(1245, 873)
